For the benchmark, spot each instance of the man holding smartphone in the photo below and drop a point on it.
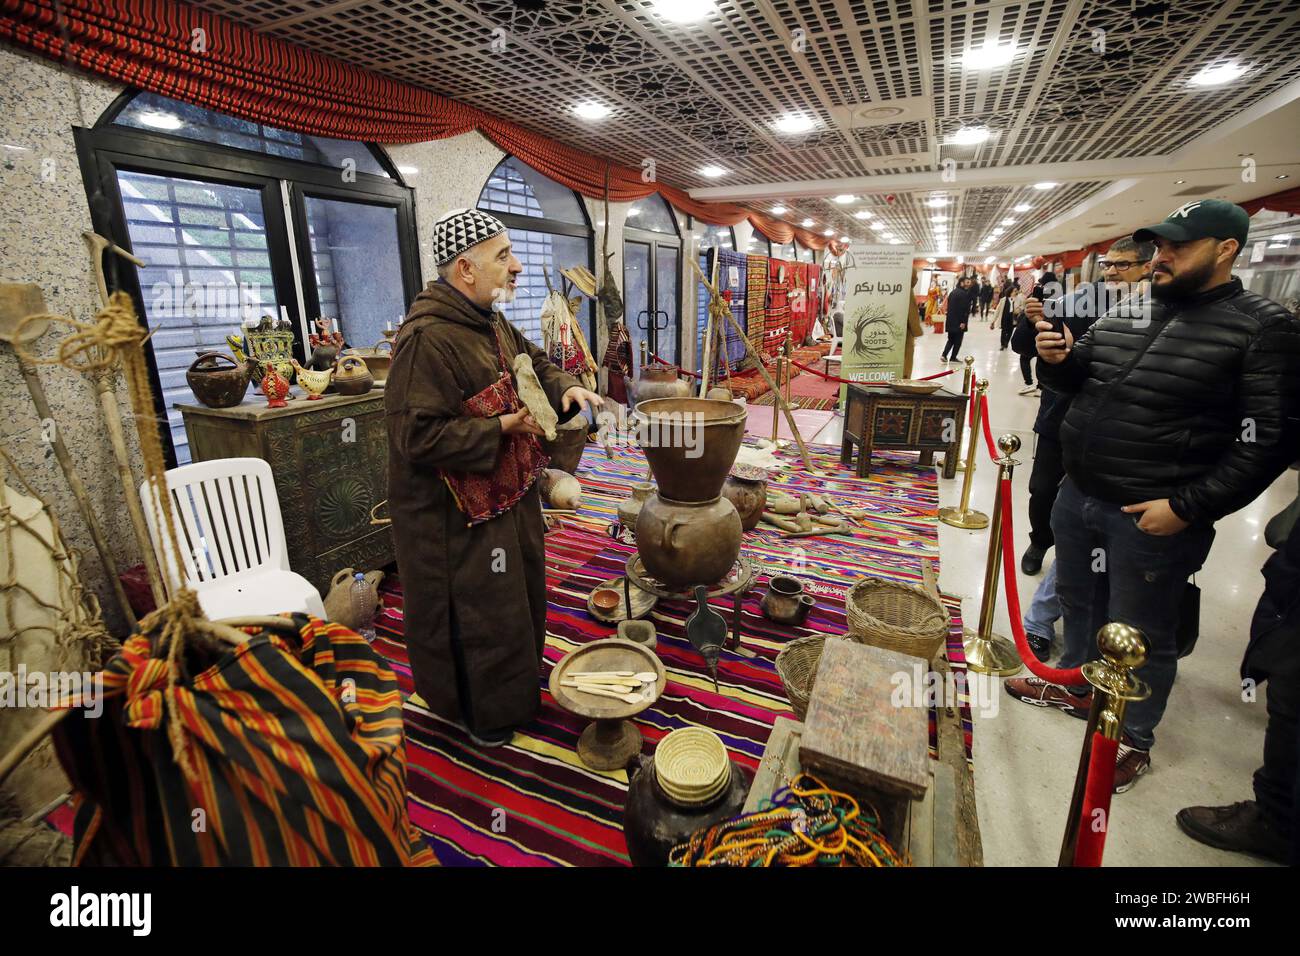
(1181, 412)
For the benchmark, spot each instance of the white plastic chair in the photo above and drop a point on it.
(231, 535)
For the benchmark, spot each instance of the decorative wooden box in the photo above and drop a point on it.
(330, 460)
(884, 419)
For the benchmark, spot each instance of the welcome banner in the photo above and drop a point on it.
(877, 284)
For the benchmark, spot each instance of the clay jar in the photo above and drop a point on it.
(659, 381)
(685, 543)
(215, 386)
(690, 443)
(653, 823)
(784, 602)
(746, 488)
(351, 376)
(630, 508)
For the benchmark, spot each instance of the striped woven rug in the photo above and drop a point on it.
(533, 802)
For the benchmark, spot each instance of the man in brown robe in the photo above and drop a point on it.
(475, 594)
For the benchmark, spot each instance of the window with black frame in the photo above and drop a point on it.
(201, 197)
(652, 270)
(549, 231)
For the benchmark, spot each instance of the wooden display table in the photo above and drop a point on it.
(330, 461)
(895, 421)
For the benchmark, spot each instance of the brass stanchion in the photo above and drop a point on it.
(1124, 649)
(968, 376)
(965, 517)
(986, 652)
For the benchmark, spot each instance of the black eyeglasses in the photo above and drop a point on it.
(1119, 264)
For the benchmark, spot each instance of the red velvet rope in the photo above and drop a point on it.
(1096, 796)
(1073, 676)
(988, 429)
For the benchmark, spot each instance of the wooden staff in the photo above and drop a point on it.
(105, 380)
(758, 359)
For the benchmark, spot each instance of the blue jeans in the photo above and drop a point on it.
(1142, 587)
(1045, 608)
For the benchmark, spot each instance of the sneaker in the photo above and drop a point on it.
(1041, 646)
(1040, 693)
(1028, 390)
(1241, 827)
(1032, 561)
(1130, 763)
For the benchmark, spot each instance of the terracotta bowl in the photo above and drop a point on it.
(606, 599)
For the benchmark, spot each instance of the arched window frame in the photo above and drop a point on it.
(541, 224)
(283, 185)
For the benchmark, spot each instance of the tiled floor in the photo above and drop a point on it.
(1209, 742)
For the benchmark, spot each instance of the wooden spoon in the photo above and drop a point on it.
(613, 683)
(643, 677)
(598, 692)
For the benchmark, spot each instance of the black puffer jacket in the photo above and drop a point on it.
(1199, 405)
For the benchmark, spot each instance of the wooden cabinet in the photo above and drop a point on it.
(889, 420)
(330, 460)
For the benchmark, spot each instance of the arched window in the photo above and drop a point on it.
(238, 220)
(717, 237)
(549, 231)
(652, 270)
(783, 251)
(804, 254)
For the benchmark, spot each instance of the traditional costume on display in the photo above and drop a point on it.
(467, 522)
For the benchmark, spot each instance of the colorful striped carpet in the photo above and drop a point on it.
(533, 803)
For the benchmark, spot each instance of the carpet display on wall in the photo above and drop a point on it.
(533, 802)
(776, 327)
(756, 302)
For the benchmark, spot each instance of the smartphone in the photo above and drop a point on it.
(1050, 313)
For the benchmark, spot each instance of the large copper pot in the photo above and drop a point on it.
(658, 381)
(691, 444)
(684, 543)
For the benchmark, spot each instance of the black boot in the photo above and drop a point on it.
(1032, 562)
(1240, 827)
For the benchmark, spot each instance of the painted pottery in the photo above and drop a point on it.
(691, 444)
(570, 441)
(653, 823)
(687, 543)
(746, 488)
(351, 376)
(215, 386)
(313, 383)
(630, 507)
(658, 381)
(274, 386)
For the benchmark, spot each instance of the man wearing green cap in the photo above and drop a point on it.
(1182, 411)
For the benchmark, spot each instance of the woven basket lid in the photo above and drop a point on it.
(691, 765)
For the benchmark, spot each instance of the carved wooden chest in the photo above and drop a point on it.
(330, 460)
(887, 420)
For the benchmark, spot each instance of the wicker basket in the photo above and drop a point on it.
(796, 665)
(897, 617)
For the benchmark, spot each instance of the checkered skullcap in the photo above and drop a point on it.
(461, 229)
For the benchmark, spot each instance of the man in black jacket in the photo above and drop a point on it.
(985, 296)
(960, 305)
(1177, 418)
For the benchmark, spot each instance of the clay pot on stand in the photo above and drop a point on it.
(214, 386)
(684, 543)
(746, 488)
(690, 443)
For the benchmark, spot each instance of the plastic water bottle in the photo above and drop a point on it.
(363, 607)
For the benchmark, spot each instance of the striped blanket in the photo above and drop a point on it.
(533, 802)
(756, 302)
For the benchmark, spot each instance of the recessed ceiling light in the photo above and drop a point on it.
(778, 210)
(969, 136)
(989, 56)
(844, 238)
(935, 202)
(1216, 75)
(1008, 222)
(929, 258)
(844, 199)
(996, 232)
(592, 110)
(879, 227)
(1023, 207)
(408, 170)
(684, 11)
(828, 232)
(862, 214)
(895, 242)
(793, 123)
(938, 218)
(1285, 237)
(1283, 176)
(806, 223)
(1045, 185)
(887, 235)
(160, 120)
(1179, 182)
(713, 172)
(990, 260)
